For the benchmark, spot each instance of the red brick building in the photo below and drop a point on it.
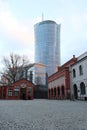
(59, 82)
(22, 89)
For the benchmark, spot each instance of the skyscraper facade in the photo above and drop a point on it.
(47, 45)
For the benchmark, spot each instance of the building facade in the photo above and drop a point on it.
(22, 89)
(78, 76)
(47, 45)
(38, 74)
(59, 82)
(39, 78)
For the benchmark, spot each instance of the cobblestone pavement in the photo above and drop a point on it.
(43, 115)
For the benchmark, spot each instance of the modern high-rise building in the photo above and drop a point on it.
(47, 45)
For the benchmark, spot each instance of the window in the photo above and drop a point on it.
(10, 93)
(74, 73)
(29, 91)
(80, 70)
(16, 91)
(82, 88)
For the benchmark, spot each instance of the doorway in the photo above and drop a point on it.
(23, 93)
(75, 91)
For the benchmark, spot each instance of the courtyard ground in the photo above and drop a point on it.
(43, 115)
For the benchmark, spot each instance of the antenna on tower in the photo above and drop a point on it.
(42, 17)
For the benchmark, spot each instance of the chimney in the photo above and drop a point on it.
(73, 56)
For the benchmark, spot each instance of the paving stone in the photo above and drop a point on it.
(43, 115)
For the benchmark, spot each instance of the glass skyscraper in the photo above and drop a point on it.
(47, 45)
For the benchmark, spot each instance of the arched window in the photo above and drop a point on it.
(80, 70)
(82, 88)
(63, 91)
(58, 91)
(54, 91)
(74, 73)
(51, 92)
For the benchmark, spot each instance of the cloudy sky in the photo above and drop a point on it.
(17, 19)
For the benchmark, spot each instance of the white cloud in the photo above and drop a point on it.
(12, 26)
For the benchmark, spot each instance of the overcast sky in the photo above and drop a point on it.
(17, 19)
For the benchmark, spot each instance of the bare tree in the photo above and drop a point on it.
(13, 65)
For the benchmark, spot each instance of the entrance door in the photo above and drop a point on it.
(23, 93)
(75, 91)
